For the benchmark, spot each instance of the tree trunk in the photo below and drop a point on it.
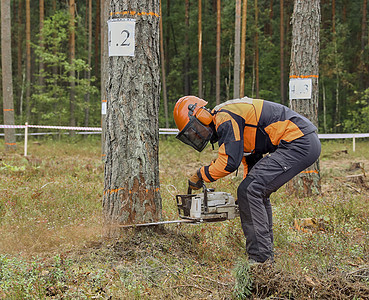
(28, 60)
(237, 46)
(200, 49)
(89, 54)
(41, 62)
(283, 93)
(257, 48)
(363, 44)
(131, 191)
(6, 69)
(243, 49)
(187, 84)
(72, 73)
(104, 4)
(97, 39)
(20, 38)
(305, 64)
(217, 67)
(163, 75)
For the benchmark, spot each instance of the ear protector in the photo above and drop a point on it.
(204, 116)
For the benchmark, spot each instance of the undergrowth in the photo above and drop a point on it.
(52, 243)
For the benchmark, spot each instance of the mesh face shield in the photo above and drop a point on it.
(195, 134)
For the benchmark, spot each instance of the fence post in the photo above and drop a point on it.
(353, 143)
(25, 139)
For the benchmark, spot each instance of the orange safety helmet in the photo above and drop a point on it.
(193, 119)
(183, 110)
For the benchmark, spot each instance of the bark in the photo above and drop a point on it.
(163, 75)
(305, 63)
(217, 67)
(72, 74)
(200, 49)
(243, 49)
(7, 81)
(131, 190)
(237, 51)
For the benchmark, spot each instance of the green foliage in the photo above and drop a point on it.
(51, 100)
(358, 115)
(244, 280)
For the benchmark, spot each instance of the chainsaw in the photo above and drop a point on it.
(208, 206)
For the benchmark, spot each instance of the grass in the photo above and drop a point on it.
(52, 243)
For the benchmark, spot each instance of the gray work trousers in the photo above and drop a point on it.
(265, 177)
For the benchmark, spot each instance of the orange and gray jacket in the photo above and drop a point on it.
(251, 126)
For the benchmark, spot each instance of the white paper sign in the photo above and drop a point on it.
(121, 37)
(300, 88)
(103, 108)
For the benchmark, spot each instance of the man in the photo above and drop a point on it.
(245, 130)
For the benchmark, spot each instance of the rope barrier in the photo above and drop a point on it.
(97, 130)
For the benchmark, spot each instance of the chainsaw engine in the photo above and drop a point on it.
(208, 206)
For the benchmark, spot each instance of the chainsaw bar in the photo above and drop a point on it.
(159, 223)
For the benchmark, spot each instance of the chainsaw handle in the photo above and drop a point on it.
(189, 190)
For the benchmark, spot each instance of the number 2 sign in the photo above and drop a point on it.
(121, 37)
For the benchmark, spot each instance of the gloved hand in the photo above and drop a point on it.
(195, 182)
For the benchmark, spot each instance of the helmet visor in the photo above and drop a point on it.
(195, 134)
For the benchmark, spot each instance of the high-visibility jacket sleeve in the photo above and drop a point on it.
(230, 151)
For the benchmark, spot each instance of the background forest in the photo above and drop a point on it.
(57, 77)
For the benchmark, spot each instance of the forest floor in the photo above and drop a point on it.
(53, 246)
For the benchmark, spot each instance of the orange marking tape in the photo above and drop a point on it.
(10, 144)
(310, 171)
(119, 189)
(8, 109)
(104, 100)
(304, 76)
(133, 13)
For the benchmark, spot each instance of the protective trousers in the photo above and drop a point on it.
(267, 176)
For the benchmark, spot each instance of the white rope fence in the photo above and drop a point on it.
(98, 130)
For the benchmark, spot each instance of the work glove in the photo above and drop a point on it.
(195, 182)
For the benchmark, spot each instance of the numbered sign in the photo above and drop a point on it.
(300, 88)
(103, 108)
(121, 37)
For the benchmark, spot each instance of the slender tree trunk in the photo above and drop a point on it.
(305, 64)
(237, 50)
(257, 48)
(20, 38)
(89, 55)
(243, 48)
(163, 75)
(97, 39)
(6, 70)
(72, 73)
(131, 191)
(217, 67)
(187, 84)
(104, 69)
(200, 48)
(283, 94)
(41, 62)
(28, 60)
(363, 44)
